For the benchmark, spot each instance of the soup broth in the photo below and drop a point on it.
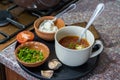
(71, 42)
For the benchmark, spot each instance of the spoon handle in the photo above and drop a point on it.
(71, 7)
(96, 13)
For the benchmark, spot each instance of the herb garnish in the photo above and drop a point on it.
(29, 55)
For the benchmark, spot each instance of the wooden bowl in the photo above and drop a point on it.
(44, 35)
(34, 45)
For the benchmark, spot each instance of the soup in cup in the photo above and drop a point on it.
(71, 52)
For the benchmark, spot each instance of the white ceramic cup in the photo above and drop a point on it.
(72, 57)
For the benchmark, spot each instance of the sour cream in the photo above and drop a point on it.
(48, 26)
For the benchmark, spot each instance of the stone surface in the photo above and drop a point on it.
(108, 26)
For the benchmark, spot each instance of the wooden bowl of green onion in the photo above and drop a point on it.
(32, 53)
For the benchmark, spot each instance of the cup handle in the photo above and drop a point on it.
(95, 53)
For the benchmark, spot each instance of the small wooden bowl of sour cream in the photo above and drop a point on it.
(46, 29)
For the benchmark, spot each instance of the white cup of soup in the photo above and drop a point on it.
(71, 52)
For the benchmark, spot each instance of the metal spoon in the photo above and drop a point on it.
(97, 12)
(71, 7)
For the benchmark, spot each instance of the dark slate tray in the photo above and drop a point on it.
(64, 72)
